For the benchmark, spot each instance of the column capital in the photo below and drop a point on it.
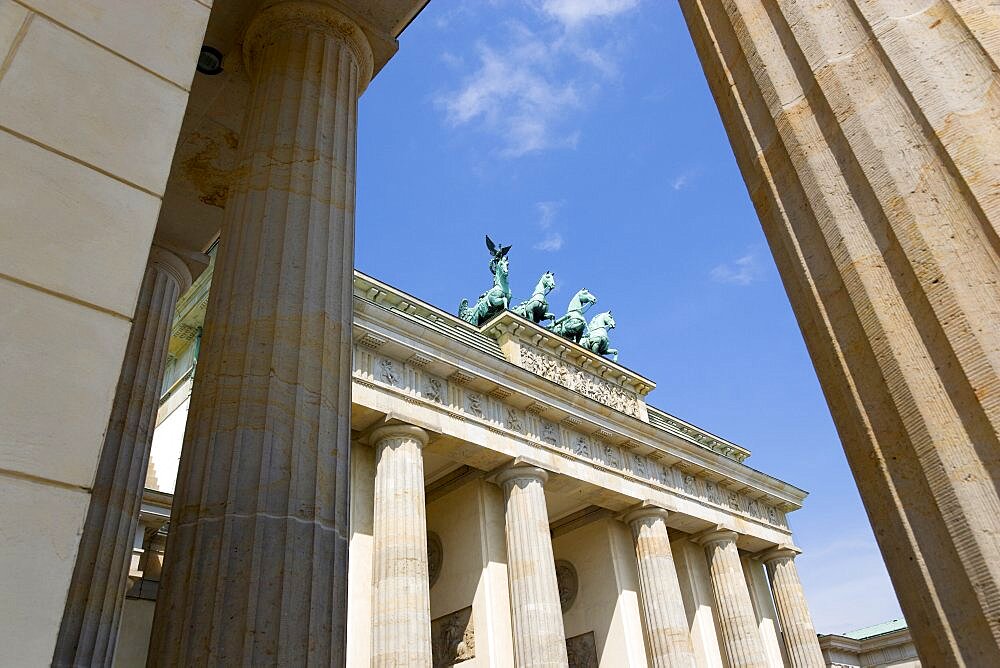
(522, 472)
(644, 510)
(778, 552)
(401, 430)
(162, 259)
(716, 535)
(279, 18)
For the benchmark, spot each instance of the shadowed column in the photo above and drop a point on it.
(89, 629)
(737, 620)
(539, 637)
(797, 628)
(662, 606)
(256, 562)
(401, 609)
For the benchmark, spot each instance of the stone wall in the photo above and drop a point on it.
(606, 597)
(92, 93)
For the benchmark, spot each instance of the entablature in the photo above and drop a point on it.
(409, 369)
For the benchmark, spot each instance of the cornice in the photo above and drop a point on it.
(626, 431)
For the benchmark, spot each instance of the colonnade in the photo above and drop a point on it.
(257, 552)
(401, 602)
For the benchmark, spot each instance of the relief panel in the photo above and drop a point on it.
(580, 381)
(453, 638)
(582, 651)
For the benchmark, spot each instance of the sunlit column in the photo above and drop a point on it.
(256, 564)
(797, 628)
(401, 609)
(733, 606)
(662, 605)
(539, 637)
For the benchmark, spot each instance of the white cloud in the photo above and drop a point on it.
(552, 240)
(528, 87)
(573, 13)
(685, 178)
(547, 213)
(511, 96)
(451, 60)
(744, 270)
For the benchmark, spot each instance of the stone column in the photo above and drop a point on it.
(89, 629)
(539, 638)
(737, 619)
(401, 609)
(868, 136)
(797, 628)
(662, 605)
(256, 563)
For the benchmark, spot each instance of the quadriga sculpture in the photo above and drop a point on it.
(493, 301)
(536, 309)
(596, 340)
(572, 324)
(496, 253)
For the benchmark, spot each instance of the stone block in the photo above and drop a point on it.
(11, 18)
(162, 35)
(39, 534)
(67, 93)
(70, 229)
(60, 362)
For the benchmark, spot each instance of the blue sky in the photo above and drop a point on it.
(583, 133)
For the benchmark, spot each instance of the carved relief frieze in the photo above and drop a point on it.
(690, 484)
(550, 432)
(734, 500)
(435, 557)
(513, 419)
(581, 651)
(474, 404)
(434, 389)
(568, 583)
(453, 638)
(612, 456)
(465, 403)
(712, 492)
(387, 372)
(640, 465)
(580, 381)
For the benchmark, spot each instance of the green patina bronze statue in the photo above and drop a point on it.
(496, 253)
(596, 339)
(536, 309)
(496, 299)
(571, 325)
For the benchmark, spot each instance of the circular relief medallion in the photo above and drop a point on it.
(568, 583)
(435, 555)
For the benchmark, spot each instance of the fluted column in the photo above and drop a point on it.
(868, 135)
(539, 637)
(797, 627)
(256, 561)
(89, 629)
(662, 605)
(737, 620)
(401, 610)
